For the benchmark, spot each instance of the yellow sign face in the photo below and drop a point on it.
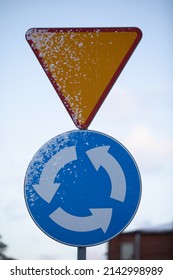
(83, 64)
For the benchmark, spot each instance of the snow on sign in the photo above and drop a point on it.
(83, 64)
(82, 188)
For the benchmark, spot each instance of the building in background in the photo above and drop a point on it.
(155, 244)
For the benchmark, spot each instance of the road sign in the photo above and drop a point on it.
(82, 188)
(83, 64)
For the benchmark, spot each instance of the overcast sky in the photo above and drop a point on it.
(138, 111)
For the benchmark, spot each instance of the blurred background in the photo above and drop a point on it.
(137, 112)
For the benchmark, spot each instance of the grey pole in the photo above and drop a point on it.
(81, 253)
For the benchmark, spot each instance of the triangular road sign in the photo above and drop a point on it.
(83, 64)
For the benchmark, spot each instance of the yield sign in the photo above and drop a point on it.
(83, 64)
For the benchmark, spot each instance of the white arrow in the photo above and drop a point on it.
(46, 187)
(100, 218)
(99, 156)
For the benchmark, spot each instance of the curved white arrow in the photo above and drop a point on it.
(99, 156)
(100, 218)
(46, 187)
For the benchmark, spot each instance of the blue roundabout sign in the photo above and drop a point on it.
(82, 188)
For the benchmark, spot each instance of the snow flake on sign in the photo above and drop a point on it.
(46, 152)
(61, 55)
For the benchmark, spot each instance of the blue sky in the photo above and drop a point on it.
(137, 111)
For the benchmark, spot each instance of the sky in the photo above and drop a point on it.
(137, 112)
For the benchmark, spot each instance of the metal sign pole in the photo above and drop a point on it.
(81, 253)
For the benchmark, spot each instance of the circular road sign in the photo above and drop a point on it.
(82, 188)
